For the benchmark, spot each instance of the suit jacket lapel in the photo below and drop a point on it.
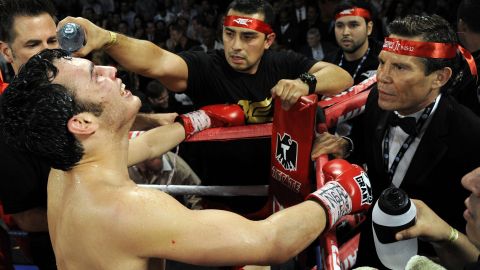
(380, 129)
(431, 148)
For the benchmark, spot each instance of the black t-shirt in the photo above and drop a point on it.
(359, 69)
(23, 180)
(211, 80)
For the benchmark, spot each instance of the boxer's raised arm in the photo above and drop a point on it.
(139, 56)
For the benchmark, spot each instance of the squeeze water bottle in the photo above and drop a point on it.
(393, 212)
(71, 37)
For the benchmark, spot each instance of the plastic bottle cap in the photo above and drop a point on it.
(69, 29)
(394, 201)
(71, 37)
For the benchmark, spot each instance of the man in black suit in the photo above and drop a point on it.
(427, 158)
(315, 48)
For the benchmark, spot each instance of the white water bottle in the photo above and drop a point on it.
(393, 212)
(71, 37)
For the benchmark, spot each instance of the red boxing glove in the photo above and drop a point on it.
(348, 190)
(219, 115)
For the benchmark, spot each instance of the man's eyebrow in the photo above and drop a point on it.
(354, 21)
(229, 29)
(241, 32)
(33, 41)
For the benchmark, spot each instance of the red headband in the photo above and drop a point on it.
(3, 85)
(428, 50)
(355, 11)
(249, 23)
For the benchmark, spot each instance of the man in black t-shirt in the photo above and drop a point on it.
(358, 54)
(245, 72)
(242, 71)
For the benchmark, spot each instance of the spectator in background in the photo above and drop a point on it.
(209, 40)
(164, 14)
(182, 21)
(300, 10)
(168, 169)
(196, 27)
(212, 18)
(312, 21)
(127, 14)
(315, 48)
(94, 5)
(68, 8)
(327, 19)
(358, 54)
(157, 97)
(151, 32)
(186, 10)
(115, 20)
(138, 30)
(162, 33)
(160, 100)
(122, 28)
(107, 5)
(286, 30)
(89, 13)
(146, 9)
(179, 40)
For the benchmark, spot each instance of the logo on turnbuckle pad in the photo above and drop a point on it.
(286, 153)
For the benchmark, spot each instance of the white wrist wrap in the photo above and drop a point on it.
(334, 199)
(199, 120)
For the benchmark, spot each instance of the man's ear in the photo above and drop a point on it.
(6, 51)
(269, 40)
(82, 124)
(462, 27)
(441, 77)
(369, 28)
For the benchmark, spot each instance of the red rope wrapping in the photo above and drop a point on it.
(233, 133)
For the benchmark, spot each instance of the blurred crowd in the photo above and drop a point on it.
(180, 25)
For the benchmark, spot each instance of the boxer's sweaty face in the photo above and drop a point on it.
(98, 85)
(244, 47)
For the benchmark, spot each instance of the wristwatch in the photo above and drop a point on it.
(310, 80)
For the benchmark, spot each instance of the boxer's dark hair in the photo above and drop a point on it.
(34, 112)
